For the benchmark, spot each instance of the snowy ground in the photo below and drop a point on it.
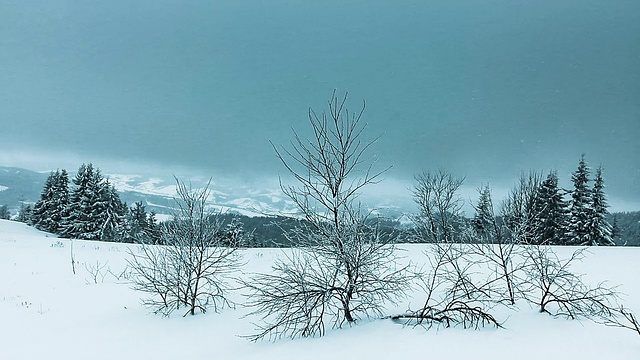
(47, 312)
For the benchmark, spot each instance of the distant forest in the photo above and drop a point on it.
(268, 231)
(626, 228)
(536, 211)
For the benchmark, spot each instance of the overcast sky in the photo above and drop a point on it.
(485, 89)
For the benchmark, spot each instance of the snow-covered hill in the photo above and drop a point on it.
(47, 312)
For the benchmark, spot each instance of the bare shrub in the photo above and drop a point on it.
(97, 271)
(559, 292)
(455, 293)
(193, 268)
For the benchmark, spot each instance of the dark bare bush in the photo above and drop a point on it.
(310, 289)
(343, 268)
(193, 269)
(555, 290)
(455, 293)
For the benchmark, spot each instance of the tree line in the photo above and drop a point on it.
(90, 208)
(537, 212)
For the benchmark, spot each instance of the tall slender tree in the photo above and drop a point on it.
(49, 211)
(616, 232)
(579, 232)
(484, 218)
(25, 212)
(601, 230)
(552, 212)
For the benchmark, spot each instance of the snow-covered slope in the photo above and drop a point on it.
(47, 312)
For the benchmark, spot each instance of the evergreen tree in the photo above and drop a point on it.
(49, 211)
(579, 232)
(616, 232)
(109, 212)
(25, 213)
(601, 231)
(234, 234)
(484, 218)
(78, 222)
(153, 227)
(95, 211)
(61, 198)
(138, 223)
(4, 213)
(552, 212)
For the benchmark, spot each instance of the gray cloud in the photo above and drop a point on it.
(485, 90)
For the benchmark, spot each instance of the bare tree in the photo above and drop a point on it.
(519, 209)
(440, 206)
(97, 271)
(490, 240)
(559, 292)
(192, 269)
(342, 268)
(455, 292)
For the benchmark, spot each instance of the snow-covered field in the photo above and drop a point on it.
(47, 312)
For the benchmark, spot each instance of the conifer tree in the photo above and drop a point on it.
(49, 211)
(601, 231)
(154, 227)
(109, 212)
(552, 212)
(95, 211)
(42, 208)
(483, 220)
(4, 213)
(616, 232)
(138, 225)
(78, 221)
(61, 198)
(25, 212)
(579, 232)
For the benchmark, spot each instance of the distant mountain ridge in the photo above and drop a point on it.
(17, 184)
(157, 193)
